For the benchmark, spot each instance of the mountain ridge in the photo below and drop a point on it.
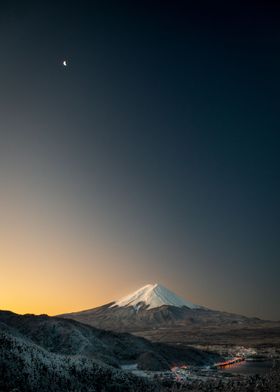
(152, 307)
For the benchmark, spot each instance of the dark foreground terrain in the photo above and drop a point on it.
(40, 353)
(26, 367)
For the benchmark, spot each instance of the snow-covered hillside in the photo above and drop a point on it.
(28, 367)
(153, 296)
(50, 354)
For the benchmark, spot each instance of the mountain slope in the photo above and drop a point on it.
(154, 306)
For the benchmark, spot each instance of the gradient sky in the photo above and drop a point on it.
(153, 157)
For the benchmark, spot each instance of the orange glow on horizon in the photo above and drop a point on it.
(51, 262)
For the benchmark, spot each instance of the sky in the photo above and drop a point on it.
(152, 157)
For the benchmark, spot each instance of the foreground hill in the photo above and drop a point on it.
(26, 367)
(36, 351)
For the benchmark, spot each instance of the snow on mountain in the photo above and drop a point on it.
(153, 296)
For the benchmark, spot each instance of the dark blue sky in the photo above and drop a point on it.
(163, 132)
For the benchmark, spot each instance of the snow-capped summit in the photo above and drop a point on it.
(153, 296)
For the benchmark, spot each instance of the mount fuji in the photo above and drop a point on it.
(153, 296)
(154, 307)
